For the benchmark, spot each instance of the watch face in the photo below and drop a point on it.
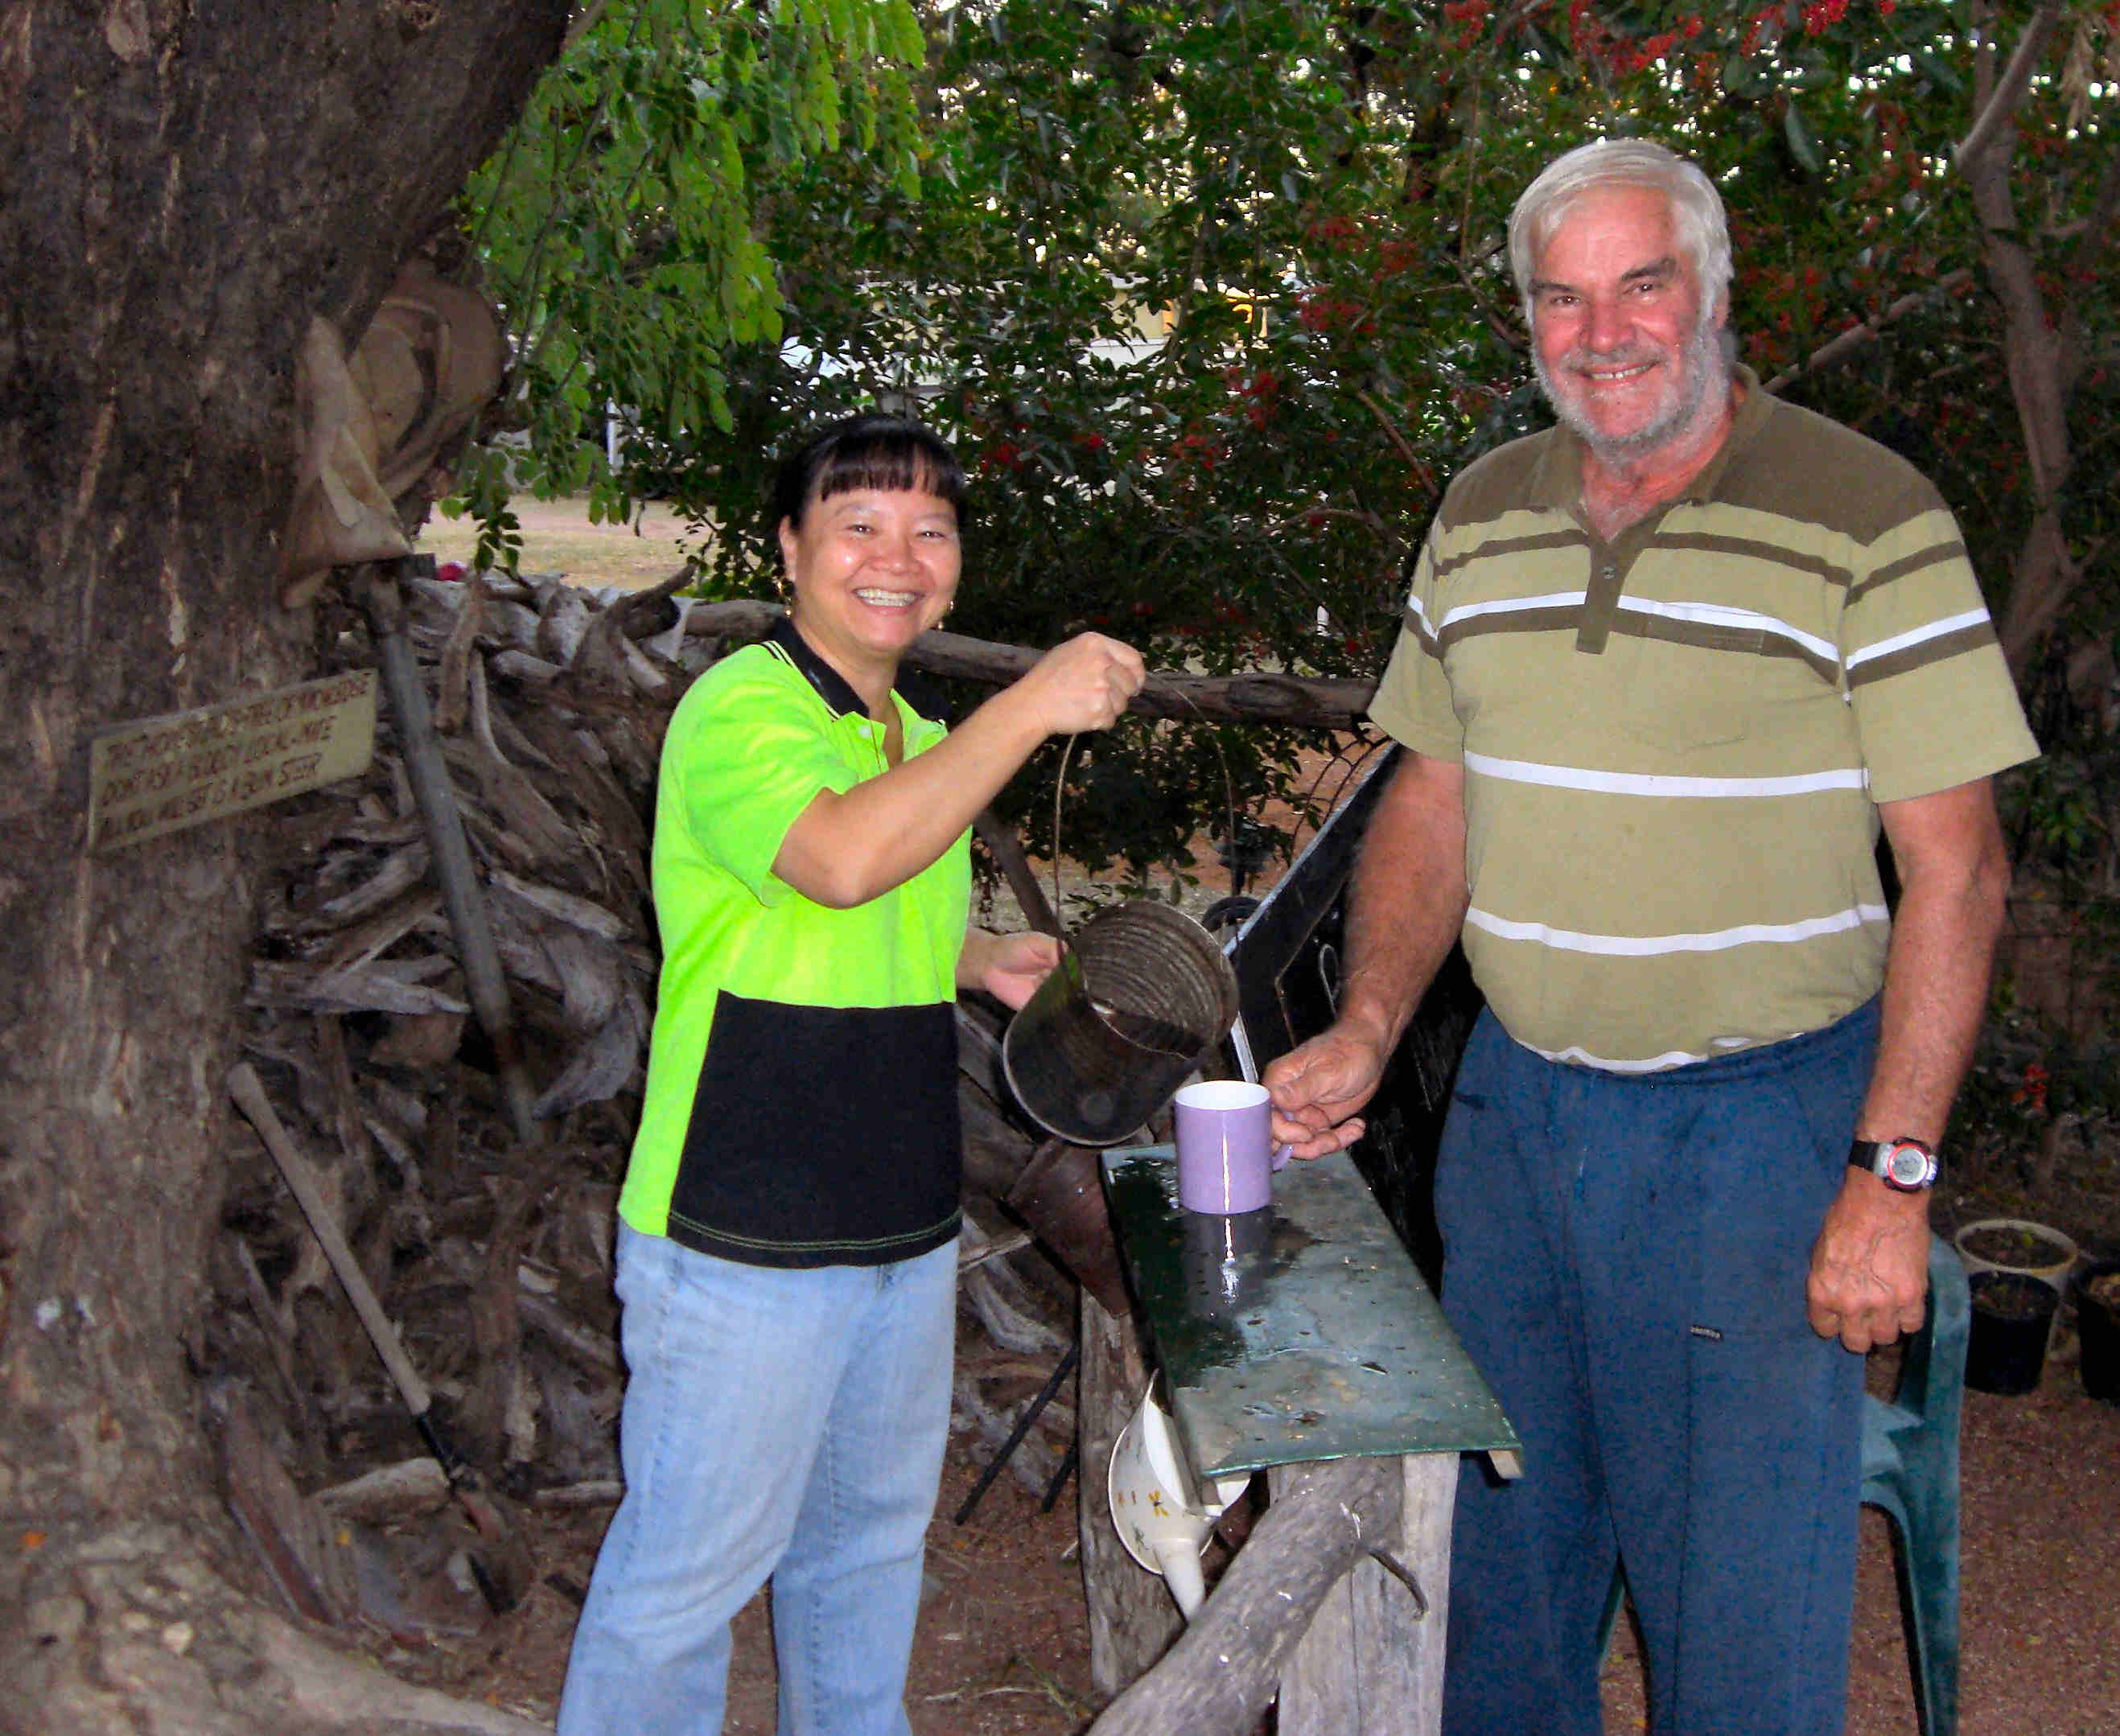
(1906, 1166)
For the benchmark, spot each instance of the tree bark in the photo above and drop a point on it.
(182, 187)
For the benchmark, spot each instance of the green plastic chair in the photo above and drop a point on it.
(1910, 1471)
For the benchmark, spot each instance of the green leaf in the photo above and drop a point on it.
(1802, 146)
(1939, 69)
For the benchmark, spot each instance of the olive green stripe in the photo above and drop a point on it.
(1512, 621)
(1933, 556)
(1919, 656)
(1753, 548)
(1506, 546)
(1711, 638)
(1641, 625)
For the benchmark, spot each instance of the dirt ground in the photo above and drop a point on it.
(1003, 1646)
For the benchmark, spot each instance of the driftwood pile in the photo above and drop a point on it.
(493, 1258)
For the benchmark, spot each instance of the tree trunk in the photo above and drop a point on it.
(184, 184)
(2043, 344)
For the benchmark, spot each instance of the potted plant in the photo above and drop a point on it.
(2016, 1245)
(2098, 1324)
(2013, 1315)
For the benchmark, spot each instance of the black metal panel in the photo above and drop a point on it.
(1287, 958)
(1286, 955)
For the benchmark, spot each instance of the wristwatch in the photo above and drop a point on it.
(1903, 1164)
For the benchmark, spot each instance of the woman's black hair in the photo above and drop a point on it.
(866, 451)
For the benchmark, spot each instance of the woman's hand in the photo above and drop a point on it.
(1083, 684)
(846, 848)
(1008, 967)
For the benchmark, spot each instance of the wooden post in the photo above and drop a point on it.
(1007, 849)
(1221, 1674)
(1370, 1665)
(1132, 1619)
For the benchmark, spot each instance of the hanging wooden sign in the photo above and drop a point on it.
(163, 774)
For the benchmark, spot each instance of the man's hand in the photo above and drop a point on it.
(1405, 904)
(1869, 1268)
(1317, 1086)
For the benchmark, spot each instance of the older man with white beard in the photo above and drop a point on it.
(1666, 671)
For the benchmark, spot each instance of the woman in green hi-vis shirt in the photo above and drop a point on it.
(787, 1233)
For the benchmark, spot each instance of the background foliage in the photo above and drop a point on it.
(1214, 300)
(616, 226)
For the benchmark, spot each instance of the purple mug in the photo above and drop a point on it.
(1226, 1156)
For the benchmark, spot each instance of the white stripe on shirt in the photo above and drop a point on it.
(1655, 1064)
(1630, 783)
(1749, 621)
(1512, 605)
(1651, 946)
(1917, 636)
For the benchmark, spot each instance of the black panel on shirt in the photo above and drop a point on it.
(821, 1135)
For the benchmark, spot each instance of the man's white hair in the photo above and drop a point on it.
(1696, 208)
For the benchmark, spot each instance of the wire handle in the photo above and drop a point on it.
(1168, 689)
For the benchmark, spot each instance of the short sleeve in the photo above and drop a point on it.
(1412, 703)
(1934, 703)
(744, 757)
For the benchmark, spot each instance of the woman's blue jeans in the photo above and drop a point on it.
(778, 1423)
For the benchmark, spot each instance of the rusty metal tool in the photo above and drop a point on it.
(501, 1564)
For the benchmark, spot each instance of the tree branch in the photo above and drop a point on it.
(583, 22)
(2001, 106)
(1838, 349)
(1311, 702)
(2098, 223)
(1414, 460)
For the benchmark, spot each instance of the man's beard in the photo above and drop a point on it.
(1707, 369)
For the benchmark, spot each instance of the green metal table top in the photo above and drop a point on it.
(1297, 1333)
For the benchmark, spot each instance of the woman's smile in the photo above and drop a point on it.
(871, 570)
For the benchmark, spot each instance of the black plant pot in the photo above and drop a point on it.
(2012, 1315)
(2098, 1324)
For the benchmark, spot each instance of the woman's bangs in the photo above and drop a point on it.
(891, 463)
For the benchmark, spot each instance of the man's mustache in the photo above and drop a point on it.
(1627, 355)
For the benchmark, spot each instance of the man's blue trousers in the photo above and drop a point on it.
(1624, 1258)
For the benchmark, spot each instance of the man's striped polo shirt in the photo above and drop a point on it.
(1674, 742)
